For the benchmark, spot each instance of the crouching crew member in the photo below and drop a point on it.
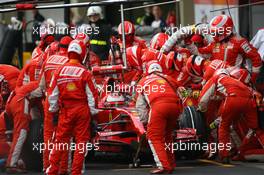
(160, 109)
(18, 109)
(237, 99)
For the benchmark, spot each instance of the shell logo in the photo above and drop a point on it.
(189, 102)
(161, 81)
(71, 87)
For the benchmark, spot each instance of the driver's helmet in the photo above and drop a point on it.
(114, 99)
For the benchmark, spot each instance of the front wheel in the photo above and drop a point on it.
(31, 153)
(190, 118)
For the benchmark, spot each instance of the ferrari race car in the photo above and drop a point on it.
(119, 129)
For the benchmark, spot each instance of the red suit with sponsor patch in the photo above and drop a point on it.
(51, 49)
(252, 147)
(158, 41)
(169, 61)
(237, 99)
(37, 52)
(212, 67)
(44, 48)
(238, 73)
(8, 79)
(74, 95)
(183, 53)
(154, 107)
(10, 74)
(130, 38)
(155, 55)
(192, 73)
(92, 60)
(49, 67)
(234, 51)
(4, 142)
(116, 57)
(2, 104)
(136, 41)
(230, 47)
(30, 72)
(174, 62)
(134, 64)
(18, 108)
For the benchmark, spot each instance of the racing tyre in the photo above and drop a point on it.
(31, 154)
(190, 118)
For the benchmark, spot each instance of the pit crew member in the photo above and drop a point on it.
(74, 95)
(153, 107)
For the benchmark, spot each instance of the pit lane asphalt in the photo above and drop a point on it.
(187, 167)
(193, 167)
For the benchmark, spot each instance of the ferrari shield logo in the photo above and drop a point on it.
(189, 102)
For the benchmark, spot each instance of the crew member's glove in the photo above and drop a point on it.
(196, 94)
(202, 107)
(215, 123)
(182, 92)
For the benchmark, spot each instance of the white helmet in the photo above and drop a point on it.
(50, 22)
(95, 10)
(153, 66)
(75, 47)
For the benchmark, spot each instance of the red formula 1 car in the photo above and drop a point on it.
(118, 128)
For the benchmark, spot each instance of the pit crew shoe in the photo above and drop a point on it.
(224, 160)
(238, 157)
(161, 171)
(15, 170)
(63, 173)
